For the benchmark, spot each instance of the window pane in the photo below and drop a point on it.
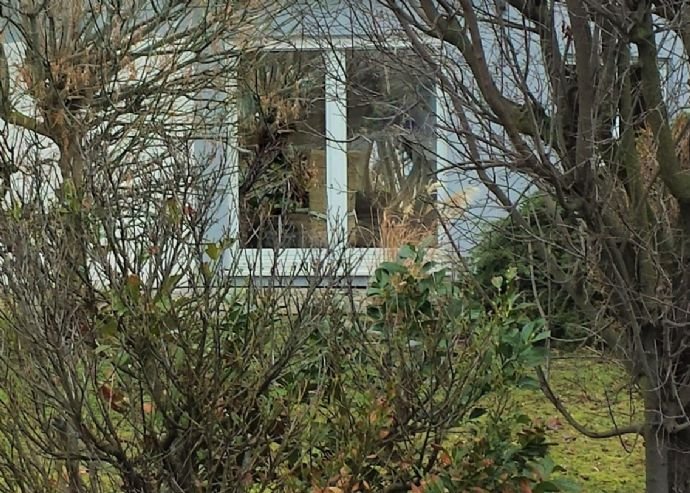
(282, 150)
(391, 151)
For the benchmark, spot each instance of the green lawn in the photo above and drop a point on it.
(593, 391)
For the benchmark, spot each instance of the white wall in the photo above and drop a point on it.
(321, 20)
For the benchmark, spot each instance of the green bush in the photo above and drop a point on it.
(505, 245)
(276, 390)
(421, 398)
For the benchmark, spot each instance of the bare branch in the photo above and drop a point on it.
(558, 404)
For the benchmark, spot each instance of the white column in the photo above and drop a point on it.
(214, 151)
(442, 153)
(336, 147)
(218, 153)
(232, 155)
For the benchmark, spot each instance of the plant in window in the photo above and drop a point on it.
(278, 174)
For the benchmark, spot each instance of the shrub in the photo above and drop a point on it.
(417, 381)
(504, 245)
(288, 390)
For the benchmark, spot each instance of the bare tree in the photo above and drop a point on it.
(120, 324)
(583, 100)
(130, 358)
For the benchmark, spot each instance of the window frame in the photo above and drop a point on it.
(294, 262)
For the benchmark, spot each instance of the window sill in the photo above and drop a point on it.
(313, 263)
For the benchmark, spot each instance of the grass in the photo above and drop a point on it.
(593, 391)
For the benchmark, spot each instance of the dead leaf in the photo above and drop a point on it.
(554, 424)
(133, 281)
(116, 399)
(417, 489)
(360, 486)
(444, 458)
(525, 486)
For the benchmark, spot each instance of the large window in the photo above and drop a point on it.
(391, 151)
(335, 147)
(281, 137)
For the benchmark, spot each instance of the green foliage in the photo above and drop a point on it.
(288, 390)
(509, 454)
(425, 365)
(505, 245)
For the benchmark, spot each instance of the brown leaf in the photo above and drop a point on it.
(116, 399)
(444, 458)
(133, 281)
(417, 489)
(525, 486)
(247, 479)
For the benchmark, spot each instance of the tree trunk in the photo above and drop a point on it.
(656, 459)
(678, 451)
(667, 455)
(678, 442)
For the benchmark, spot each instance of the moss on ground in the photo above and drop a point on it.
(594, 390)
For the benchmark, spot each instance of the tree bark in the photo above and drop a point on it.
(667, 461)
(656, 453)
(667, 450)
(678, 451)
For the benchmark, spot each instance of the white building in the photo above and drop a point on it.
(333, 144)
